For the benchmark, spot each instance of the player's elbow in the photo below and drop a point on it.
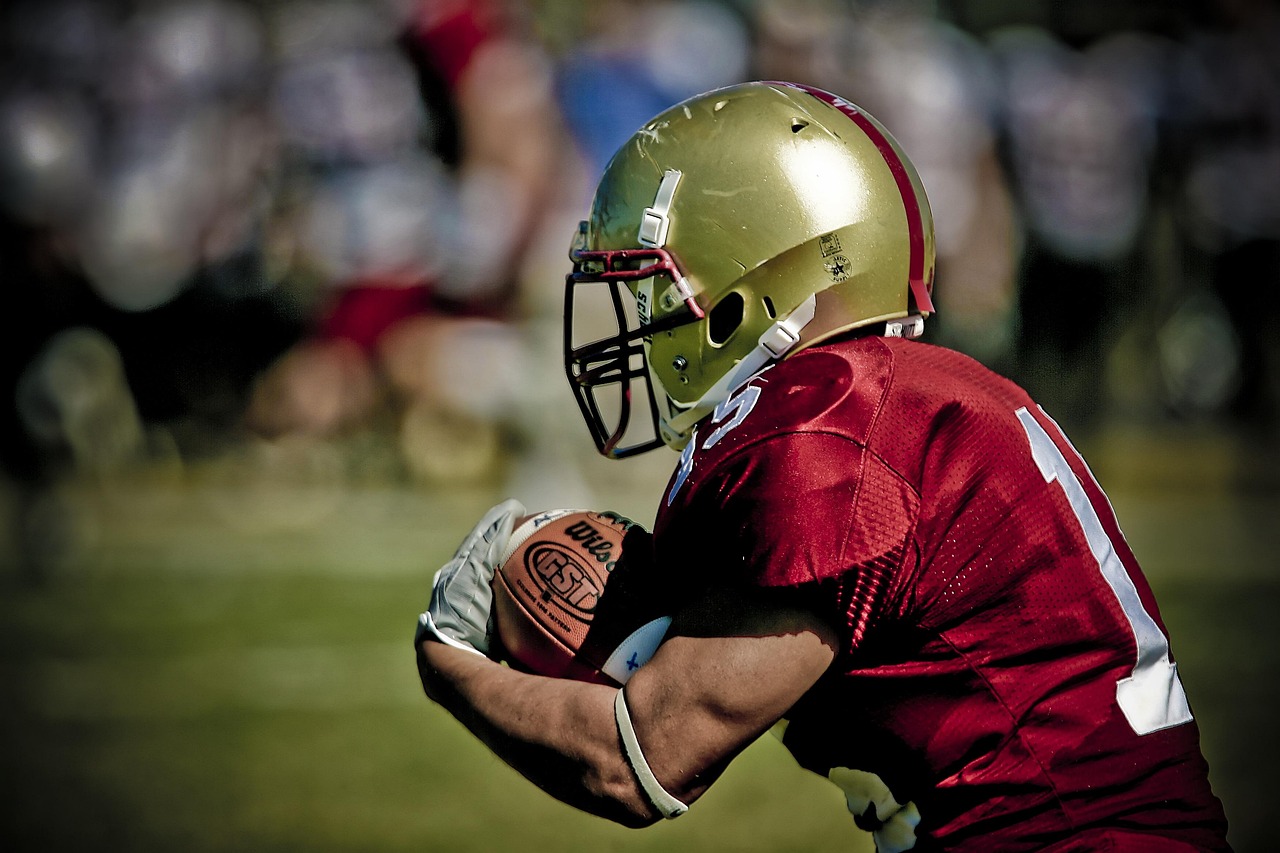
(618, 797)
(635, 821)
(625, 813)
(629, 814)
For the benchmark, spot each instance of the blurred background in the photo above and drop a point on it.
(282, 292)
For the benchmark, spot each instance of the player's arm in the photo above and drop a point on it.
(559, 734)
(733, 666)
(735, 663)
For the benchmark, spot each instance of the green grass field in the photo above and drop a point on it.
(200, 674)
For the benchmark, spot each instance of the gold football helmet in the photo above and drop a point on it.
(733, 230)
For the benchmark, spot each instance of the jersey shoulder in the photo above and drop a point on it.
(835, 401)
(779, 470)
(827, 389)
(857, 388)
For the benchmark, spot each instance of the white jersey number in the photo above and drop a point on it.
(1152, 697)
(726, 417)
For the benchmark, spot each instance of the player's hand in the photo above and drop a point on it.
(461, 595)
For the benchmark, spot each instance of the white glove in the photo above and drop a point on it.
(875, 810)
(461, 596)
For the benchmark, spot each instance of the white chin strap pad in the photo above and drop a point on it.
(777, 341)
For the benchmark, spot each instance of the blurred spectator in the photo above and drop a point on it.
(637, 57)
(135, 160)
(318, 218)
(311, 219)
(1081, 127)
(134, 150)
(423, 159)
(1219, 351)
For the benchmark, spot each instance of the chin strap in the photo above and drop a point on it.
(655, 220)
(667, 805)
(777, 341)
(908, 327)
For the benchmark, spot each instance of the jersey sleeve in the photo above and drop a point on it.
(811, 511)
(807, 507)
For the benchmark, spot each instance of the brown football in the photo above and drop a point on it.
(570, 600)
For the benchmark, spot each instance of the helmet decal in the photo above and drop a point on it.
(915, 222)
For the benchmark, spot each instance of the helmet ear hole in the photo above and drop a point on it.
(725, 318)
(770, 309)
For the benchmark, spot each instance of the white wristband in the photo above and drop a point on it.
(667, 805)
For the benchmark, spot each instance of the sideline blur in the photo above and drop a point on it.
(322, 241)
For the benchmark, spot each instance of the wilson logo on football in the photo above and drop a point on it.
(592, 541)
(560, 574)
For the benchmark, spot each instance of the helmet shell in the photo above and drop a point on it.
(785, 192)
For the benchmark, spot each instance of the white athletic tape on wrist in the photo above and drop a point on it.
(667, 805)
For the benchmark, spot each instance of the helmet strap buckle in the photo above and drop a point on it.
(908, 327)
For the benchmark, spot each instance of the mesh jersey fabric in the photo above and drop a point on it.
(892, 484)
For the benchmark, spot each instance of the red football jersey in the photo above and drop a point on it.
(1004, 666)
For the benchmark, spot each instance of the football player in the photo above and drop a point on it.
(886, 552)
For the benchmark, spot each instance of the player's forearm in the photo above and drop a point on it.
(559, 734)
